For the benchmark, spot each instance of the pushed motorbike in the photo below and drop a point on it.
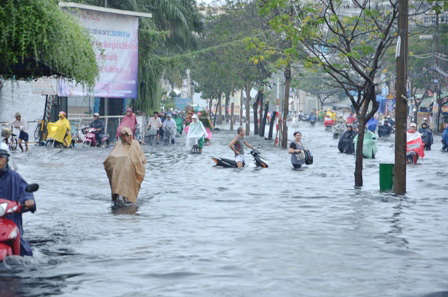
(90, 138)
(9, 232)
(229, 163)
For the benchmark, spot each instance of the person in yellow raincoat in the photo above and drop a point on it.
(125, 168)
(60, 131)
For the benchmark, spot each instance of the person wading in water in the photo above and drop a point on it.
(237, 146)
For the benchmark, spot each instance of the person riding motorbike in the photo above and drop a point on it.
(427, 136)
(312, 118)
(97, 124)
(385, 130)
(345, 144)
(60, 131)
(196, 134)
(12, 187)
(339, 129)
(414, 145)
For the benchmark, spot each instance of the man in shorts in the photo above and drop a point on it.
(20, 124)
(237, 146)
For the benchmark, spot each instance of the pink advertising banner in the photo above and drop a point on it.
(115, 40)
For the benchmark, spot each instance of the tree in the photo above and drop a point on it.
(318, 84)
(221, 65)
(38, 39)
(350, 48)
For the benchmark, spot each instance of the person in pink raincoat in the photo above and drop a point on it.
(129, 120)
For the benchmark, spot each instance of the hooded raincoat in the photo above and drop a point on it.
(445, 138)
(12, 187)
(427, 136)
(196, 131)
(169, 127)
(125, 168)
(60, 131)
(369, 145)
(414, 143)
(127, 121)
(345, 144)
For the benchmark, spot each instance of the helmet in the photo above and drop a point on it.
(61, 113)
(96, 114)
(4, 153)
(18, 114)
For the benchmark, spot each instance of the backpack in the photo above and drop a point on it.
(308, 157)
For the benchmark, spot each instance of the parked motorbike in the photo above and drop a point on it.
(9, 232)
(229, 163)
(90, 138)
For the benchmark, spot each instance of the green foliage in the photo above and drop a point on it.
(38, 31)
(223, 63)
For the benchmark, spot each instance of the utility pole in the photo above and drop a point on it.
(401, 100)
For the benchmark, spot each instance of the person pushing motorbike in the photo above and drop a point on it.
(12, 187)
(237, 146)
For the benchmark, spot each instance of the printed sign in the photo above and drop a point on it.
(44, 86)
(115, 40)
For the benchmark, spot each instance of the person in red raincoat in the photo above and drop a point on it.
(414, 145)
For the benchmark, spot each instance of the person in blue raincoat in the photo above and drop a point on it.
(445, 139)
(12, 187)
(372, 124)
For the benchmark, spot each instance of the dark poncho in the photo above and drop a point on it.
(384, 130)
(12, 187)
(427, 137)
(345, 144)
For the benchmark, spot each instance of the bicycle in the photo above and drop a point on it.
(11, 141)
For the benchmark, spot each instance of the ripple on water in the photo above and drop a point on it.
(200, 231)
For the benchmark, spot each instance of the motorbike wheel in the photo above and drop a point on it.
(13, 145)
(86, 144)
(107, 143)
(50, 143)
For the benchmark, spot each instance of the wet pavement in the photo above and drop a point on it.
(204, 231)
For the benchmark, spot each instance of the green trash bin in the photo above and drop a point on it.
(386, 177)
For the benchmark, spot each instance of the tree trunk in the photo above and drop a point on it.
(439, 112)
(226, 106)
(220, 111)
(255, 107)
(261, 112)
(287, 75)
(359, 152)
(271, 125)
(231, 116)
(401, 107)
(265, 116)
(241, 108)
(248, 87)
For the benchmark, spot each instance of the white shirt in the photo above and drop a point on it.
(155, 123)
(22, 125)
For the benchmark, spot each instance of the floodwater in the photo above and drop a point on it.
(204, 231)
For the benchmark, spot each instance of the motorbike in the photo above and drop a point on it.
(9, 232)
(90, 138)
(328, 123)
(229, 163)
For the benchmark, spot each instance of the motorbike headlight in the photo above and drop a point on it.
(14, 233)
(12, 209)
(3, 209)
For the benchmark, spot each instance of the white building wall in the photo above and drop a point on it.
(16, 96)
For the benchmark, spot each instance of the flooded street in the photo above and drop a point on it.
(205, 231)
